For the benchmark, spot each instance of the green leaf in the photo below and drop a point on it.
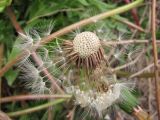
(45, 115)
(24, 117)
(83, 2)
(13, 53)
(101, 5)
(11, 75)
(1, 9)
(129, 101)
(4, 3)
(43, 8)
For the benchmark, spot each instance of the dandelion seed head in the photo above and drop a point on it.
(86, 43)
(85, 50)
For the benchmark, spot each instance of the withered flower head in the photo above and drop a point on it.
(85, 50)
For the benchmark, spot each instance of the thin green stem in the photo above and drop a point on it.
(34, 109)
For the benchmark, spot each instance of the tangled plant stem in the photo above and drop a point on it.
(73, 27)
(31, 97)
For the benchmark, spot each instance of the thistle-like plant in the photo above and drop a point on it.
(82, 67)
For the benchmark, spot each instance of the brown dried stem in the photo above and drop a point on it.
(12, 17)
(144, 69)
(1, 62)
(134, 13)
(128, 74)
(130, 24)
(31, 97)
(155, 53)
(3, 116)
(46, 72)
(75, 26)
(107, 43)
(70, 115)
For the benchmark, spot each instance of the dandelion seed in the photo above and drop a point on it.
(35, 35)
(24, 42)
(33, 79)
(29, 70)
(39, 87)
(75, 32)
(44, 27)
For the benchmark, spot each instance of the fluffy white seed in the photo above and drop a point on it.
(96, 100)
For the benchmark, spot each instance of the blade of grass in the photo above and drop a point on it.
(34, 109)
(31, 97)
